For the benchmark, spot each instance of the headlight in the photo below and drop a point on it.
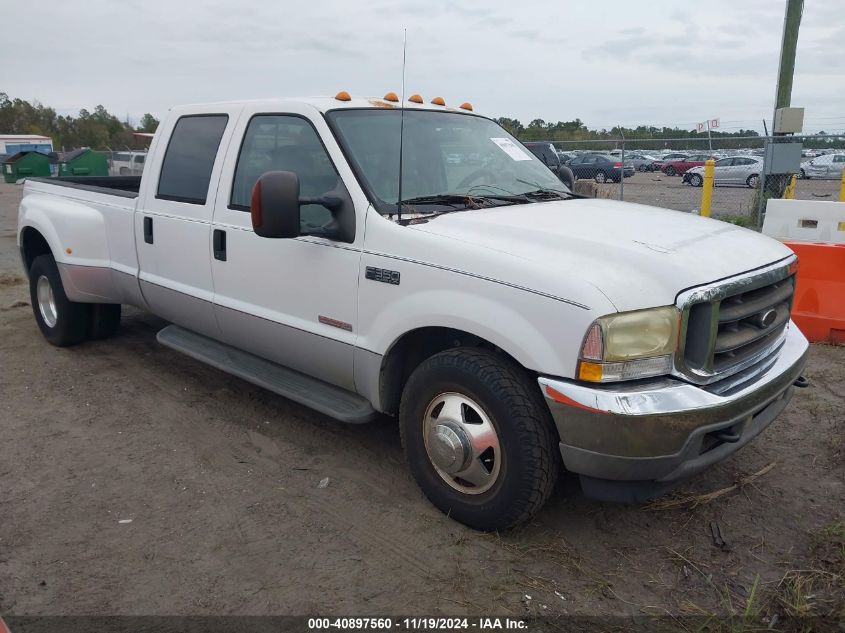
(630, 345)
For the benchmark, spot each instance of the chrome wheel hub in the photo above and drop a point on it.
(461, 443)
(46, 301)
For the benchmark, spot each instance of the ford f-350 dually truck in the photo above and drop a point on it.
(512, 327)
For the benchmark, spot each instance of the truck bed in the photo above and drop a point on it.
(125, 186)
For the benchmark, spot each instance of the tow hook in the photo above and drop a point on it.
(801, 382)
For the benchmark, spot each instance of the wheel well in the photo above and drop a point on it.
(33, 245)
(413, 348)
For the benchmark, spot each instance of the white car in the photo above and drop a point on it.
(512, 327)
(734, 170)
(827, 166)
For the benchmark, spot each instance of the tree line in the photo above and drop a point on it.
(102, 130)
(569, 135)
(98, 129)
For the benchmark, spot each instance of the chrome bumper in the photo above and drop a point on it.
(657, 433)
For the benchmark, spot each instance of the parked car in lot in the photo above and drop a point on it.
(512, 327)
(826, 166)
(662, 160)
(681, 165)
(736, 170)
(600, 168)
(641, 162)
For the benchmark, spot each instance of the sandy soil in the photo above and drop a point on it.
(220, 482)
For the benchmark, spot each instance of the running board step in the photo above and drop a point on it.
(333, 401)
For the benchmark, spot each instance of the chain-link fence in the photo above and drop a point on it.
(670, 172)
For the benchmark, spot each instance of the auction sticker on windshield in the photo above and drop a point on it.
(511, 149)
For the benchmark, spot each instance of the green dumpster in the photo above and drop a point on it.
(24, 165)
(83, 162)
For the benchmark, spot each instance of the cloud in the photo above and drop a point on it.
(629, 63)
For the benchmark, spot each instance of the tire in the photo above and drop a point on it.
(803, 175)
(61, 321)
(493, 392)
(566, 176)
(752, 181)
(600, 177)
(104, 321)
(696, 180)
(670, 171)
(642, 168)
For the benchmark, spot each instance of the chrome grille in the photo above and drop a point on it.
(736, 325)
(749, 322)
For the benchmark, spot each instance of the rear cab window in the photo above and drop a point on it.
(191, 151)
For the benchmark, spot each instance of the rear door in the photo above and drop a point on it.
(587, 167)
(173, 222)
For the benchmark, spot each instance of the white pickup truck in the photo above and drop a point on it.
(512, 327)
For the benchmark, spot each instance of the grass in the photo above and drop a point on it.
(746, 221)
(693, 501)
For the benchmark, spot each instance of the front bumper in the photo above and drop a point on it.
(631, 442)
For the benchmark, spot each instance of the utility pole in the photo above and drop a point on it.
(788, 46)
(776, 183)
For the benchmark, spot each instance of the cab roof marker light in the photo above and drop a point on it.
(343, 96)
(439, 101)
(391, 96)
(415, 99)
(466, 105)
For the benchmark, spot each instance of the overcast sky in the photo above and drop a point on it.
(605, 61)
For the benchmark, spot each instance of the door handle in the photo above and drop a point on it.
(148, 230)
(219, 244)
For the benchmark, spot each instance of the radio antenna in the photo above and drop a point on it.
(401, 125)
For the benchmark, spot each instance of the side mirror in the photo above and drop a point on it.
(274, 206)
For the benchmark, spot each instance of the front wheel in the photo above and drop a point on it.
(600, 177)
(695, 180)
(61, 321)
(670, 171)
(752, 181)
(479, 439)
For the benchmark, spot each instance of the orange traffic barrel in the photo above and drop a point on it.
(819, 304)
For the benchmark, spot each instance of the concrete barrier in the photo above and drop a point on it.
(805, 220)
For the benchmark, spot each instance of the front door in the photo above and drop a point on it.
(292, 301)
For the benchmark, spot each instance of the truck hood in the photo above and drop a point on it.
(637, 256)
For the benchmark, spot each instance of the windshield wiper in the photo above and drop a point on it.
(466, 200)
(544, 193)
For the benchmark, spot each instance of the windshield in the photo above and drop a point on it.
(444, 153)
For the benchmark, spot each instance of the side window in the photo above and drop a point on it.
(275, 142)
(839, 158)
(189, 158)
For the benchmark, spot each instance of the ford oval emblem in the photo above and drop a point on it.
(767, 318)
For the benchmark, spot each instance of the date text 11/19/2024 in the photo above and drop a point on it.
(418, 624)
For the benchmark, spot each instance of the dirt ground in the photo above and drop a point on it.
(134, 480)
